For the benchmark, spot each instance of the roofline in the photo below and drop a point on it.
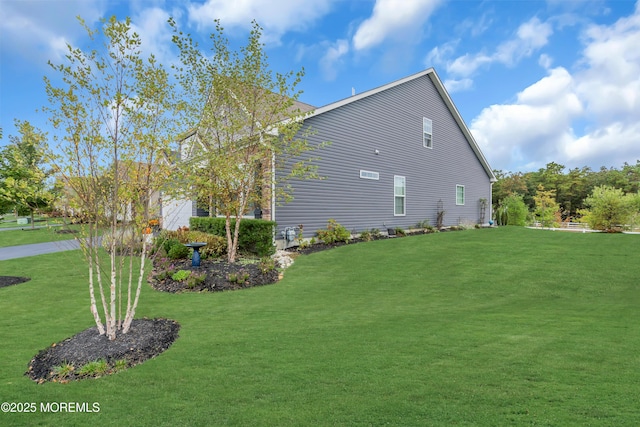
(431, 73)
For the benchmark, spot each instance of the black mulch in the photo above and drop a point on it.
(146, 339)
(12, 280)
(217, 274)
(317, 247)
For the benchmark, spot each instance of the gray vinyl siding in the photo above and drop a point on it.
(389, 121)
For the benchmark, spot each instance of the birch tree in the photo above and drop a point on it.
(244, 124)
(113, 115)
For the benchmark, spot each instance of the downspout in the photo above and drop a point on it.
(490, 202)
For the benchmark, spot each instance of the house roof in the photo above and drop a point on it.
(431, 73)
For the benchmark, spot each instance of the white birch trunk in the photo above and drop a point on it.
(131, 311)
(94, 308)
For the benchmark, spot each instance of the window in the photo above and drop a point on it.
(399, 187)
(427, 133)
(369, 175)
(459, 194)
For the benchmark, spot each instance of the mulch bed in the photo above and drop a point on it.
(12, 280)
(217, 276)
(146, 339)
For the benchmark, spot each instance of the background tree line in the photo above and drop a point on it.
(553, 194)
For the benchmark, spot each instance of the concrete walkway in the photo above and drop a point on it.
(34, 249)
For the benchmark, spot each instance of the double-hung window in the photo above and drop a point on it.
(459, 194)
(427, 133)
(399, 192)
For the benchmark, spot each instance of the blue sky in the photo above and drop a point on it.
(535, 81)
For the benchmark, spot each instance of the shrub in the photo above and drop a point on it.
(512, 210)
(169, 242)
(255, 235)
(267, 264)
(334, 233)
(425, 225)
(366, 236)
(120, 365)
(63, 371)
(164, 268)
(180, 275)
(195, 279)
(240, 277)
(400, 232)
(216, 245)
(608, 209)
(97, 368)
(178, 251)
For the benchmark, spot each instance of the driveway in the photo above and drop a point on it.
(22, 251)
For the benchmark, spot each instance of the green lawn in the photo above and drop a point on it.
(8, 220)
(26, 235)
(504, 326)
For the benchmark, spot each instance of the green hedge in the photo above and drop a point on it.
(256, 235)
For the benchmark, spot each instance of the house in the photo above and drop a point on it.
(399, 154)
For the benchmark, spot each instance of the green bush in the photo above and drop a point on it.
(255, 235)
(195, 279)
(267, 264)
(178, 251)
(169, 243)
(92, 369)
(512, 210)
(181, 275)
(334, 233)
(608, 209)
(365, 236)
(216, 245)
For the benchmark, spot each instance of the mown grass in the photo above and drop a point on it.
(490, 327)
(27, 235)
(9, 220)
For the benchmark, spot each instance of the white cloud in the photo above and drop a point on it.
(458, 85)
(332, 58)
(588, 118)
(467, 64)
(40, 30)
(610, 80)
(440, 54)
(155, 33)
(545, 61)
(530, 37)
(535, 127)
(393, 19)
(276, 17)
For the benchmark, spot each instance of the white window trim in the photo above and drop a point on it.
(424, 142)
(404, 197)
(463, 195)
(369, 175)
